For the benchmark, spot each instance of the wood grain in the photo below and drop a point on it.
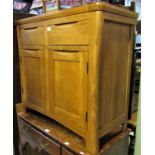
(114, 72)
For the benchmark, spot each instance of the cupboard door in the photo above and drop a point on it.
(34, 77)
(68, 86)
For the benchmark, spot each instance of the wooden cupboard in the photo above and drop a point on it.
(75, 67)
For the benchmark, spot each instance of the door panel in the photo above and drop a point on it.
(68, 79)
(34, 77)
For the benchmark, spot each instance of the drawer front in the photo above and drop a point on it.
(45, 143)
(68, 33)
(38, 139)
(32, 35)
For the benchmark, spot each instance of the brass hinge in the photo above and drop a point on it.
(87, 67)
(86, 116)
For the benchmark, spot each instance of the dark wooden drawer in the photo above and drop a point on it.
(37, 139)
(45, 143)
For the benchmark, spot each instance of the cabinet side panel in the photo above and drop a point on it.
(114, 75)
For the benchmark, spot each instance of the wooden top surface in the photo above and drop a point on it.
(96, 6)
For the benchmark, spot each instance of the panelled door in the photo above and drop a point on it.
(33, 77)
(67, 68)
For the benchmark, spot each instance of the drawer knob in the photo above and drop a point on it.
(26, 130)
(43, 145)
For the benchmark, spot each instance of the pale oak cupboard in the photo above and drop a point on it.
(75, 67)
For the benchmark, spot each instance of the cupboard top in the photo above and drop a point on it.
(96, 6)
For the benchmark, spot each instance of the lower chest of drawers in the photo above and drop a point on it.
(33, 142)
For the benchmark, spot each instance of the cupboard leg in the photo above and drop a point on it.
(92, 144)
